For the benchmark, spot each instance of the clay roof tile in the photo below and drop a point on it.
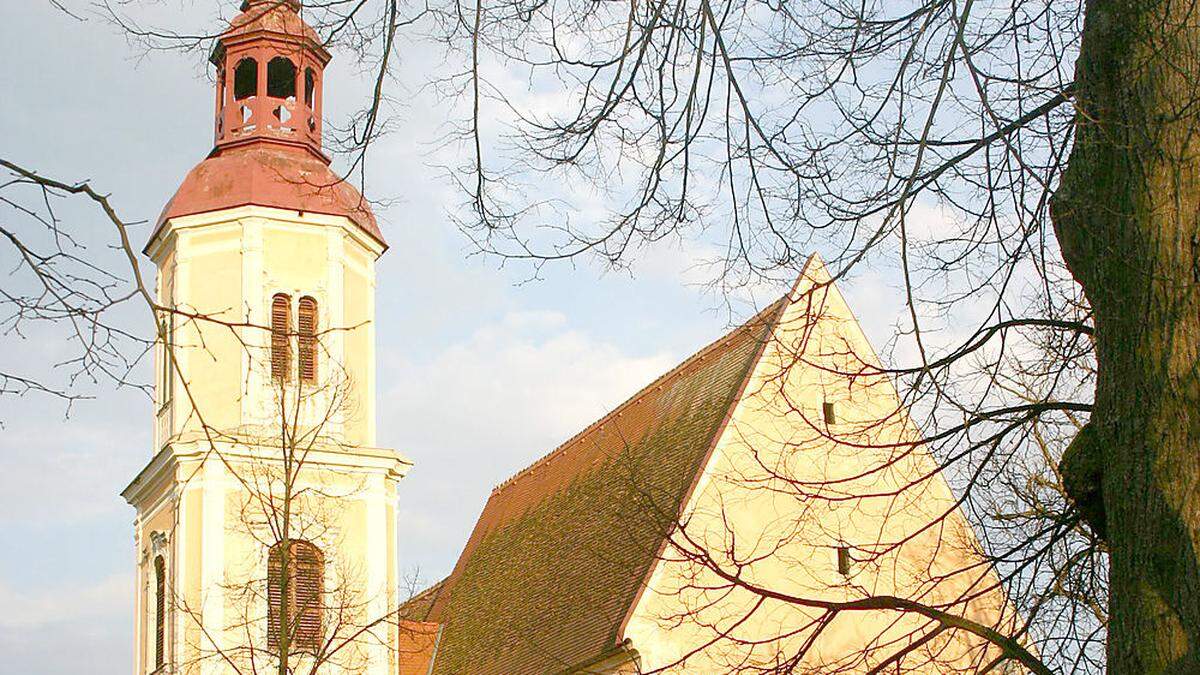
(561, 550)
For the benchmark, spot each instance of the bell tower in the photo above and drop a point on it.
(269, 72)
(265, 526)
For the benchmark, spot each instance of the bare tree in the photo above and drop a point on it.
(769, 127)
(925, 138)
(56, 283)
(840, 473)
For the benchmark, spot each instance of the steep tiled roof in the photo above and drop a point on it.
(562, 549)
(419, 607)
(418, 640)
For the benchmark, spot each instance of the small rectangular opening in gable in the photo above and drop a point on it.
(829, 412)
(843, 560)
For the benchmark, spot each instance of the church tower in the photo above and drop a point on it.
(265, 525)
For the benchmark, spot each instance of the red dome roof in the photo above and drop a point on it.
(268, 140)
(272, 16)
(264, 174)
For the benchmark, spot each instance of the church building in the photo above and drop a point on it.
(734, 515)
(725, 519)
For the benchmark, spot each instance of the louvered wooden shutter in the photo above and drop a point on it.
(160, 611)
(305, 591)
(274, 596)
(307, 325)
(308, 583)
(281, 324)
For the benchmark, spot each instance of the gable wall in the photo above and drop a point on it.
(766, 496)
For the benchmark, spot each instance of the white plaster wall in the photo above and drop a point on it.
(783, 490)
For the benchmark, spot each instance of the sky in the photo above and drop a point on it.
(480, 370)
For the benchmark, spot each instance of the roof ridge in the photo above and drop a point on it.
(696, 357)
(429, 594)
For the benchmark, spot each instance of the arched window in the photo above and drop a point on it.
(306, 324)
(160, 611)
(245, 79)
(281, 78)
(281, 326)
(305, 584)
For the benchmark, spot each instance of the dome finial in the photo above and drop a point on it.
(294, 5)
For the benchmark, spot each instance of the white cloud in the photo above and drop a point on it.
(78, 465)
(85, 628)
(878, 301)
(927, 222)
(488, 405)
(26, 608)
(524, 380)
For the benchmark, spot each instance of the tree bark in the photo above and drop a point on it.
(1126, 215)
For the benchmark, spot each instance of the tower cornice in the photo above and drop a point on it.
(385, 461)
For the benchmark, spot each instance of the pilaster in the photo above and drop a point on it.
(212, 576)
(335, 303)
(256, 338)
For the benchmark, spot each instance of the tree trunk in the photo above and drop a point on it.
(1126, 216)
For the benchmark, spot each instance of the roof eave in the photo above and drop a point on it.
(604, 662)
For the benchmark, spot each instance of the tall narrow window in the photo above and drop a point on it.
(160, 611)
(304, 588)
(167, 382)
(306, 324)
(281, 326)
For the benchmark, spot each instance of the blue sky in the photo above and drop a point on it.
(479, 373)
